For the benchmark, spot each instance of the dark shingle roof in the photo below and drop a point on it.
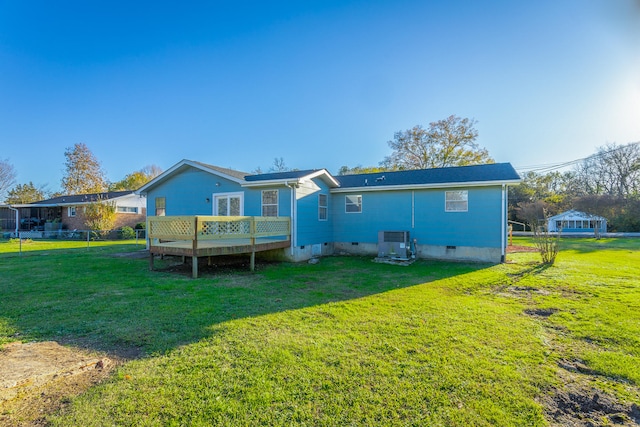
(83, 198)
(462, 174)
(280, 175)
(231, 172)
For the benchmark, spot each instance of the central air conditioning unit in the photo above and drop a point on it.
(393, 244)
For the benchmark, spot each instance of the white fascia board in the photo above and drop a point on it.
(169, 172)
(271, 183)
(423, 186)
(322, 173)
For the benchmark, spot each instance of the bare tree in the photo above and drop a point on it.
(279, 165)
(448, 142)
(614, 170)
(7, 177)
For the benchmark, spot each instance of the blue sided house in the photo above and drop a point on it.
(448, 213)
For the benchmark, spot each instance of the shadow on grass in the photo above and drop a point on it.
(116, 305)
(531, 270)
(589, 245)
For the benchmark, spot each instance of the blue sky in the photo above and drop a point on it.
(318, 83)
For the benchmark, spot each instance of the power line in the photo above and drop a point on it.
(548, 167)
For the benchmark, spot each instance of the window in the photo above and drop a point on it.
(456, 201)
(353, 204)
(161, 206)
(270, 203)
(127, 209)
(71, 211)
(323, 201)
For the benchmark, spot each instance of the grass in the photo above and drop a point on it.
(343, 342)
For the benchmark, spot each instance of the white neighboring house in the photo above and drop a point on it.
(573, 221)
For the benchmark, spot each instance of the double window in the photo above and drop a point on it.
(71, 211)
(456, 201)
(228, 204)
(270, 203)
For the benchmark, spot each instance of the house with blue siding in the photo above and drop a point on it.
(446, 213)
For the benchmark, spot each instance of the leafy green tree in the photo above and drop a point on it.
(136, 179)
(346, 170)
(448, 142)
(7, 177)
(26, 193)
(83, 172)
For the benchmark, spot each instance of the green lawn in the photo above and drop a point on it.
(343, 342)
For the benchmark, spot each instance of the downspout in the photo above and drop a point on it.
(294, 217)
(503, 230)
(17, 218)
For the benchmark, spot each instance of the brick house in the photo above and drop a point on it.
(67, 212)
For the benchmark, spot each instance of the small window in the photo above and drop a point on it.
(270, 203)
(127, 209)
(353, 204)
(323, 212)
(71, 211)
(456, 201)
(161, 206)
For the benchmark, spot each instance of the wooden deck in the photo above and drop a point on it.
(205, 236)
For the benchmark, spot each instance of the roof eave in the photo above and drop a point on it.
(322, 174)
(169, 172)
(424, 186)
(272, 182)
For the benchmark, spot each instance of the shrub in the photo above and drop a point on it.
(127, 233)
(141, 226)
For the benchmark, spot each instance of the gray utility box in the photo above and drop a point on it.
(393, 244)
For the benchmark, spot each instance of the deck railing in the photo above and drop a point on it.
(198, 228)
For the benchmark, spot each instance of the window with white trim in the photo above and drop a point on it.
(71, 211)
(323, 207)
(161, 206)
(353, 204)
(456, 201)
(127, 209)
(269, 202)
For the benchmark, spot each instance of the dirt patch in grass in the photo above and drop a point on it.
(38, 379)
(541, 312)
(578, 404)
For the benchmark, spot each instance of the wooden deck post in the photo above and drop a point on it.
(252, 263)
(194, 257)
(150, 260)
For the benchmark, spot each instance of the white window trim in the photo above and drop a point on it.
(72, 211)
(276, 204)
(325, 207)
(228, 195)
(446, 193)
(346, 199)
(135, 212)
